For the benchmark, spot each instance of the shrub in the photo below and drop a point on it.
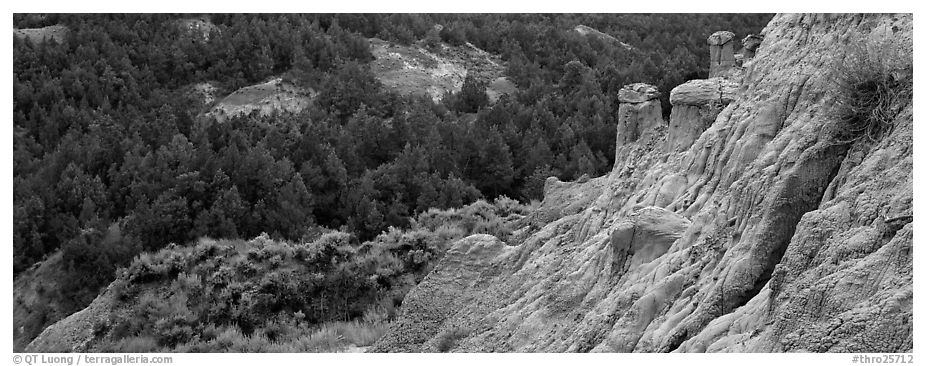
(134, 345)
(494, 227)
(323, 340)
(336, 336)
(330, 248)
(376, 314)
(265, 295)
(507, 206)
(448, 233)
(448, 339)
(231, 339)
(874, 81)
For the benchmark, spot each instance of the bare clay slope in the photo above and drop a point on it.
(764, 235)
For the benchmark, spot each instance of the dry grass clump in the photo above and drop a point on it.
(874, 82)
(448, 339)
(339, 336)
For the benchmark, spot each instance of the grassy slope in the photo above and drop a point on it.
(330, 294)
(35, 304)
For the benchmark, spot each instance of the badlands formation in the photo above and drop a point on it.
(742, 224)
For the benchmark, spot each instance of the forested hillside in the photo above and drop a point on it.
(116, 155)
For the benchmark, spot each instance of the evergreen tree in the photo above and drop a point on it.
(472, 95)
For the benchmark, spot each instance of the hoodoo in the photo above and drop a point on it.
(640, 111)
(722, 50)
(695, 105)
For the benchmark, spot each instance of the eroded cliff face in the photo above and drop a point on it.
(766, 234)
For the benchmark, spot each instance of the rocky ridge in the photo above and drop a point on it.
(273, 96)
(201, 29)
(35, 35)
(766, 234)
(589, 31)
(415, 69)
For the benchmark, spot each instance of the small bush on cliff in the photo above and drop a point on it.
(448, 339)
(874, 82)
